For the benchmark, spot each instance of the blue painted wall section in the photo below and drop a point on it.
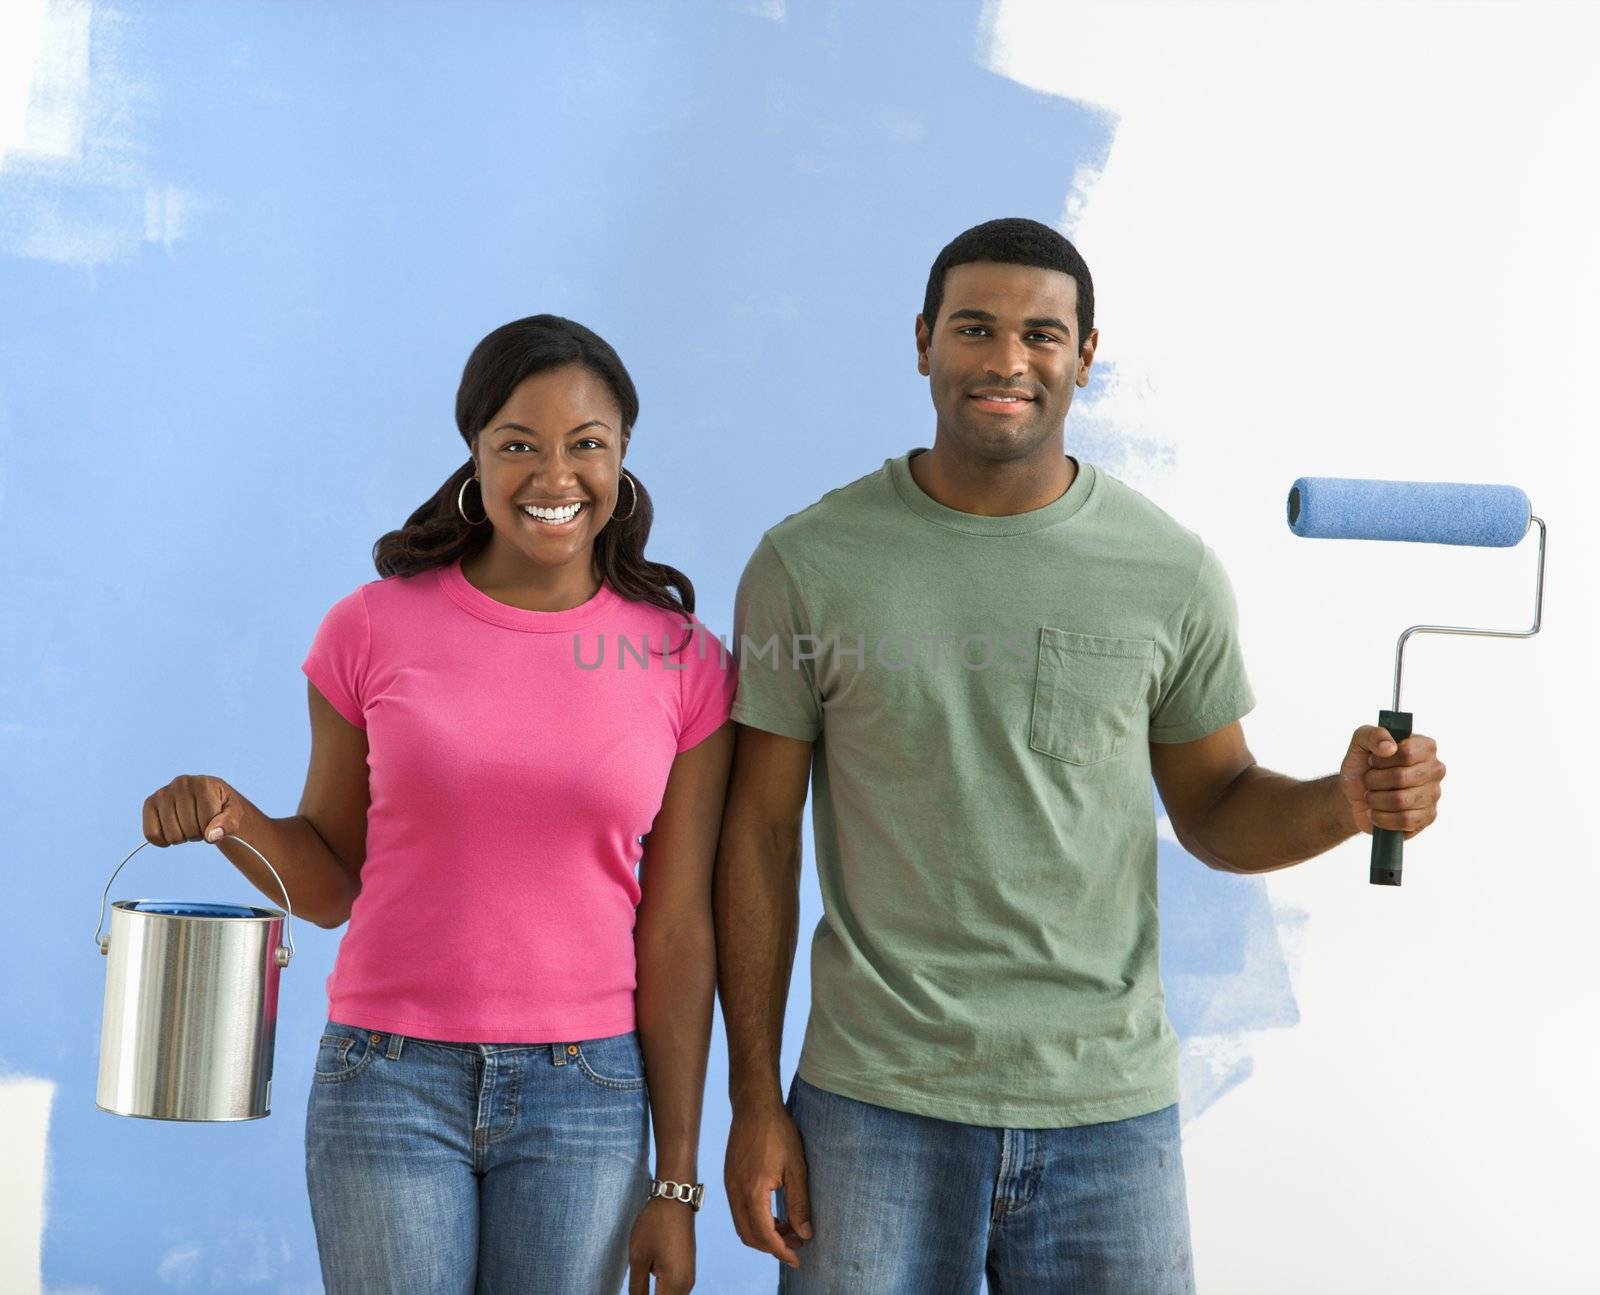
(202, 441)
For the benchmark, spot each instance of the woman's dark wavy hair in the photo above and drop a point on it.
(436, 534)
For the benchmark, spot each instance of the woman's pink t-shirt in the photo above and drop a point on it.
(515, 759)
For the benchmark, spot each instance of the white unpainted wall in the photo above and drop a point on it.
(1364, 240)
(24, 1131)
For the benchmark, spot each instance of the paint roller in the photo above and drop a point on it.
(1416, 512)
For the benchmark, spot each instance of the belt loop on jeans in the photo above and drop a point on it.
(396, 1042)
(561, 1053)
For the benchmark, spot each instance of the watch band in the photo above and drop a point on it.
(691, 1194)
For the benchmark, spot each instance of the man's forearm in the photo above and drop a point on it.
(757, 915)
(1267, 821)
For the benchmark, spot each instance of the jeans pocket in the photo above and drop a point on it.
(343, 1052)
(616, 1063)
(1087, 694)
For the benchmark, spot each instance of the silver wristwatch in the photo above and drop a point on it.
(691, 1194)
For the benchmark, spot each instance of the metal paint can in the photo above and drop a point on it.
(191, 1005)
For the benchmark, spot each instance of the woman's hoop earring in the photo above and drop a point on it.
(633, 503)
(461, 503)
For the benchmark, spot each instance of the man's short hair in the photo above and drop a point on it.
(1013, 240)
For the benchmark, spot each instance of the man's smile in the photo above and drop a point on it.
(1000, 400)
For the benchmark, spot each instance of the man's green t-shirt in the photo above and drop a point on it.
(980, 692)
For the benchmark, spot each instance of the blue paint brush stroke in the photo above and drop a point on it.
(1224, 971)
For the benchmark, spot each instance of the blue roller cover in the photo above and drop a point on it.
(1422, 512)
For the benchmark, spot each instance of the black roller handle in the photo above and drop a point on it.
(1387, 845)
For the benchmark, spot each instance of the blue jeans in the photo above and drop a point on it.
(475, 1169)
(906, 1205)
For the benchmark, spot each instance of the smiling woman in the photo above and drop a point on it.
(546, 408)
(528, 916)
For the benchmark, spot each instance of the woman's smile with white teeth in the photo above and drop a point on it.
(563, 514)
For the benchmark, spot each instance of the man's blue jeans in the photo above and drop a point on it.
(475, 1169)
(906, 1205)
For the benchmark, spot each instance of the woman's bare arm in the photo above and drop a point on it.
(318, 851)
(676, 949)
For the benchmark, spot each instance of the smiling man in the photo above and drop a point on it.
(979, 656)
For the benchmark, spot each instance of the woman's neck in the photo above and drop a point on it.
(510, 578)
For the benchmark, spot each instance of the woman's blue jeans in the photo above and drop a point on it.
(475, 1169)
(906, 1205)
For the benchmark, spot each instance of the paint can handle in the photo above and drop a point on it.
(283, 954)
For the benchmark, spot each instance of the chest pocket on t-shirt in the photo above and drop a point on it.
(1087, 694)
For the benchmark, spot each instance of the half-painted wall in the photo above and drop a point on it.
(245, 249)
